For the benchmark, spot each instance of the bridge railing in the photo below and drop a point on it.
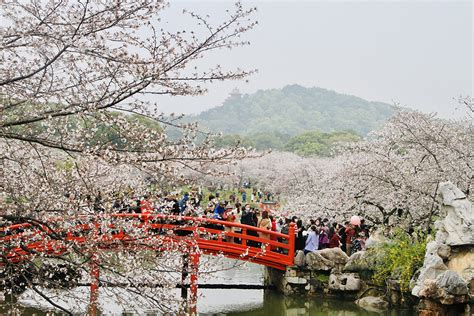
(209, 235)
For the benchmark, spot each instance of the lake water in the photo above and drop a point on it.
(235, 301)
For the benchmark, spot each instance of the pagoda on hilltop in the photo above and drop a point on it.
(235, 94)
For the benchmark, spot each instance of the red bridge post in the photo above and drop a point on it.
(195, 247)
(194, 256)
(94, 294)
(184, 275)
(291, 243)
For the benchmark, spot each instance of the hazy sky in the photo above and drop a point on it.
(416, 53)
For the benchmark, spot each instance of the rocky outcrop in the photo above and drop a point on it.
(452, 288)
(317, 272)
(448, 267)
(433, 266)
(344, 282)
(372, 303)
(300, 258)
(444, 251)
(315, 261)
(359, 261)
(335, 255)
(448, 288)
(327, 259)
(457, 228)
(462, 262)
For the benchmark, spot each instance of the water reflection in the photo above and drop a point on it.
(256, 303)
(242, 302)
(275, 304)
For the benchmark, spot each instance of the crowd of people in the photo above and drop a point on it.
(322, 233)
(315, 234)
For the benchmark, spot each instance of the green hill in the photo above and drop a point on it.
(312, 143)
(293, 110)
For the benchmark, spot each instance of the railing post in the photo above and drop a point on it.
(291, 243)
(94, 290)
(184, 275)
(194, 256)
(244, 237)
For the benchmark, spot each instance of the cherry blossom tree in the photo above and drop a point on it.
(395, 174)
(77, 127)
(391, 178)
(69, 65)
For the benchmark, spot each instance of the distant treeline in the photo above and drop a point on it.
(312, 143)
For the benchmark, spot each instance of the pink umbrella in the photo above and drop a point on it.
(355, 220)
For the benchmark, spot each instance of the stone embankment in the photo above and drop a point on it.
(325, 272)
(444, 283)
(319, 272)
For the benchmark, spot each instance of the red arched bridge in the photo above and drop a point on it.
(157, 232)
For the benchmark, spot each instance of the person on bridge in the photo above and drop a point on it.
(229, 216)
(219, 211)
(264, 223)
(247, 216)
(183, 203)
(274, 229)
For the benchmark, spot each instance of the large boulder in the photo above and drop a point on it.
(326, 259)
(462, 262)
(315, 261)
(448, 288)
(344, 282)
(372, 303)
(433, 266)
(335, 255)
(360, 261)
(457, 227)
(452, 283)
(300, 258)
(444, 251)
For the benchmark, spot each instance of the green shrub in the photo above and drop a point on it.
(323, 278)
(400, 258)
